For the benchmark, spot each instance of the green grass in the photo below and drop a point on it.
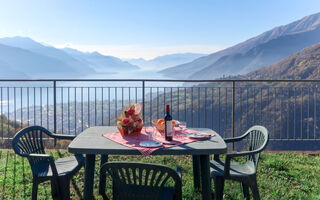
(280, 176)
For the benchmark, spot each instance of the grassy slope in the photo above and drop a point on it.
(280, 176)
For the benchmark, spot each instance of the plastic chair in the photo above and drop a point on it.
(139, 181)
(29, 143)
(258, 138)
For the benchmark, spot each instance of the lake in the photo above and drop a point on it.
(26, 94)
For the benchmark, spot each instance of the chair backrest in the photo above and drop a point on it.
(142, 181)
(258, 138)
(30, 141)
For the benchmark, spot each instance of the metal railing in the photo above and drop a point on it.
(288, 108)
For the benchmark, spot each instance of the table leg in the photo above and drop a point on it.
(89, 177)
(196, 172)
(102, 178)
(205, 177)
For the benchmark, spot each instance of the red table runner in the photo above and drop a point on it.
(134, 141)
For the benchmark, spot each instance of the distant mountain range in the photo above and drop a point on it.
(22, 57)
(162, 62)
(262, 55)
(302, 65)
(22, 63)
(101, 63)
(297, 103)
(287, 110)
(261, 50)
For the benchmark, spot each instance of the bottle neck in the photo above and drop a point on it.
(168, 109)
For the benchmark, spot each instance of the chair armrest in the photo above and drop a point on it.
(179, 172)
(244, 153)
(35, 155)
(46, 157)
(235, 139)
(63, 137)
(237, 154)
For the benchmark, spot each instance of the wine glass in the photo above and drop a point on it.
(183, 127)
(149, 131)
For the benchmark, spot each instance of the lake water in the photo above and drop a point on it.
(19, 95)
(138, 74)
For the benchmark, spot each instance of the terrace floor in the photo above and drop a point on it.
(280, 176)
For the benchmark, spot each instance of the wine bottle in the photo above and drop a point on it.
(168, 125)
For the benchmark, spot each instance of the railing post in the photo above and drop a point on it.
(143, 104)
(54, 110)
(233, 108)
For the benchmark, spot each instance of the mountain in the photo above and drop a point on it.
(23, 57)
(48, 51)
(302, 65)
(261, 55)
(165, 61)
(101, 63)
(8, 71)
(21, 63)
(307, 24)
(287, 110)
(292, 106)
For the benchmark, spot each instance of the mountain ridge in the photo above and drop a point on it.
(43, 55)
(307, 23)
(164, 61)
(261, 55)
(45, 50)
(38, 64)
(302, 65)
(101, 63)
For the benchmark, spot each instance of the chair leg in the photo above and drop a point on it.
(254, 188)
(34, 190)
(196, 172)
(54, 191)
(102, 179)
(245, 190)
(218, 186)
(64, 188)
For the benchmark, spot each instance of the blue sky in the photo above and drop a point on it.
(147, 28)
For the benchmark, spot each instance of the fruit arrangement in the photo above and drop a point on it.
(159, 124)
(130, 122)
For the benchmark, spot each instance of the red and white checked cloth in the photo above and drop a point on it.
(134, 141)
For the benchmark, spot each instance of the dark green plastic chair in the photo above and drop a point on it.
(258, 138)
(142, 181)
(29, 143)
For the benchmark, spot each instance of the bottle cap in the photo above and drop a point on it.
(167, 108)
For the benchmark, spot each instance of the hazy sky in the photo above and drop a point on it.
(147, 28)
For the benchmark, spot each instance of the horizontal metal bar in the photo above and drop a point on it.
(10, 138)
(271, 139)
(158, 80)
(289, 139)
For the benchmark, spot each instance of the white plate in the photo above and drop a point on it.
(197, 135)
(150, 144)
